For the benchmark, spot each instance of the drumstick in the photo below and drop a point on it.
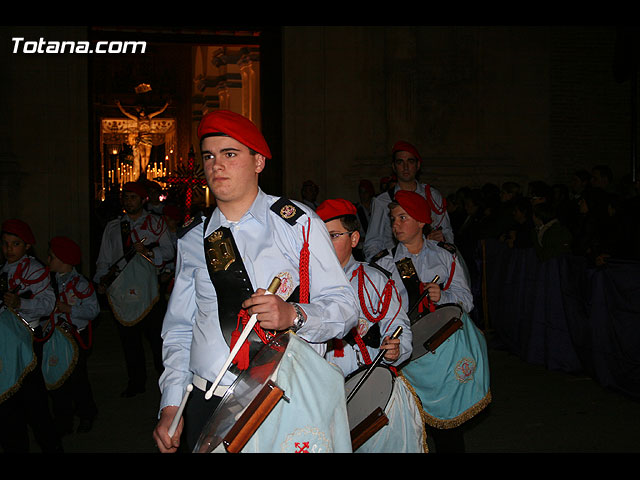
(421, 297)
(373, 365)
(127, 253)
(273, 288)
(176, 419)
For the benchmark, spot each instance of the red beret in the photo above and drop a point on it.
(402, 146)
(334, 208)
(19, 229)
(66, 250)
(236, 126)
(135, 187)
(414, 204)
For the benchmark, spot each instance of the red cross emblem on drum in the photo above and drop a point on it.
(302, 447)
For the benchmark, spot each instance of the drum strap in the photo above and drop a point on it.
(410, 280)
(125, 233)
(233, 285)
(230, 280)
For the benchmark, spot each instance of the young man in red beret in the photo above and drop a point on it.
(406, 163)
(381, 299)
(436, 373)
(136, 231)
(381, 313)
(26, 291)
(273, 237)
(76, 308)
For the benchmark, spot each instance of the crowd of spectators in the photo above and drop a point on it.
(591, 216)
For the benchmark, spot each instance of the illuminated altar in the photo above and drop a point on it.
(118, 141)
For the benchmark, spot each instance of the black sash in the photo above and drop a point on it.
(229, 278)
(371, 338)
(125, 234)
(410, 280)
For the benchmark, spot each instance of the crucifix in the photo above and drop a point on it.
(189, 179)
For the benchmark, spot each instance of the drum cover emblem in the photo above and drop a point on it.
(306, 440)
(464, 370)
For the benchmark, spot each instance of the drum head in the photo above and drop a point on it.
(375, 392)
(241, 393)
(424, 328)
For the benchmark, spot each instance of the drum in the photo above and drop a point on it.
(135, 291)
(308, 416)
(432, 329)
(387, 396)
(59, 357)
(373, 395)
(453, 383)
(17, 357)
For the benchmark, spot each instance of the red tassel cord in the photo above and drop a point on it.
(18, 279)
(242, 358)
(437, 209)
(378, 310)
(427, 303)
(304, 265)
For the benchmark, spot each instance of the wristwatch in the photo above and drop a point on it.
(299, 320)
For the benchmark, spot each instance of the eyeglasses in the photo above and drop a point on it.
(337, 235)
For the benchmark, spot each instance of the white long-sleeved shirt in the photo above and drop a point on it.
(379, 236)
(374, 282)
(193, 342)
(430, 261)
(148, 226)
(75, 290)
(30, 279)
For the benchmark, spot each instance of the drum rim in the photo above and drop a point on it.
(357, 374)
(231, 390)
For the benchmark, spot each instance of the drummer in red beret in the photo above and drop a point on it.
(406, 163)
(276, 237)
(66, 250)
(76, 305)
(231, 170)
(19, 229)
(26, 291)
(381, 313)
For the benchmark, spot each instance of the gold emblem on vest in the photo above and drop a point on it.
(406, 268)
(220, 254)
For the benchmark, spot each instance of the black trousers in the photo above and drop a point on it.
(197, 413)
(29, 407)
(447, 440)
(131, 338)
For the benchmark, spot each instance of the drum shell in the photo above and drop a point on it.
(17, 355)
(453, 383)
(313, 417)
(374, 393)
(423, 329)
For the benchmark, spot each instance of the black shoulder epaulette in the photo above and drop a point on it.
(450, 247)
(188, 225)
(384, 271)
(287, 210)
(379, 255)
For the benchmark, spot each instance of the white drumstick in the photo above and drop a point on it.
(273, 288)
(176, 419)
